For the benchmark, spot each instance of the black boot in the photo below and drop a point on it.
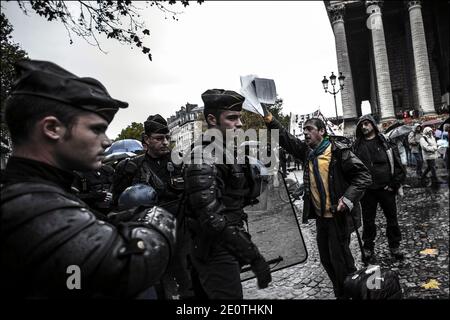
(369, 256)
(397, 253)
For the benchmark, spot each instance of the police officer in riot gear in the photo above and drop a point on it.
(57, 123)
(156, 169)
(217, 193)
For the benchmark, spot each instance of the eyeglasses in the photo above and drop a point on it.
(161, 138)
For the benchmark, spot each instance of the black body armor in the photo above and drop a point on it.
(216, 197)
(93, 187)
(167, 180)
(44, 230)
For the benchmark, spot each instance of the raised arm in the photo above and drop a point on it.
(290, 143)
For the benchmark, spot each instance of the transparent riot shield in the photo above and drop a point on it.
(274, 227)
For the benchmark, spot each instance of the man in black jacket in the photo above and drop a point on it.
(51, 243)
(382, 158)
(335, 180)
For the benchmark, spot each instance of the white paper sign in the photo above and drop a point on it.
(265, 90)
(248, 90)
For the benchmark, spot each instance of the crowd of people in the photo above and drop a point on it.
(155, 229)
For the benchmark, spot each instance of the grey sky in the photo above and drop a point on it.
(210, 46)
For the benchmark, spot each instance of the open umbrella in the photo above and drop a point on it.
(399, 131)
(117, 156)
(125, 145)
(396, 124)
(432, 122)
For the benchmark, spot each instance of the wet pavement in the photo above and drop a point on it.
(423, 214)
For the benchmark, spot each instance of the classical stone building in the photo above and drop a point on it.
(184, 125)
(394, 54)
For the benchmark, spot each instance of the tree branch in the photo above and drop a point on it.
(106, 17)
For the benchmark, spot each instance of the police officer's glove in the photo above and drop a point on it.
(261, 270)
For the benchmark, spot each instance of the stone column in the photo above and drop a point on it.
(383, 79)
(348, 94)
(421, 64)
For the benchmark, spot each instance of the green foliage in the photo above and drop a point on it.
(119, 20)
(276, 111)
(10, 53)
(252, 120)
(133, 131)
(255, 121)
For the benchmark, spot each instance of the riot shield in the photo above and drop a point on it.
(274, 226)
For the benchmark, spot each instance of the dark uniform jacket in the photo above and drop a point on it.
(397, 172)
(348, 176)
(216, 196)
(92, 187)
(44, 230)
(161, 174)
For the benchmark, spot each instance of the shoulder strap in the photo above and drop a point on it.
(151, 177)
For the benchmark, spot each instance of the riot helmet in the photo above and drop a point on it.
(138, 195)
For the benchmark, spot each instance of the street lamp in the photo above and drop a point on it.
(341, 79)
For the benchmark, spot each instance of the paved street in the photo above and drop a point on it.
(424, 273)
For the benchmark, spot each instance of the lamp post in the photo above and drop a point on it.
(341, 79)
